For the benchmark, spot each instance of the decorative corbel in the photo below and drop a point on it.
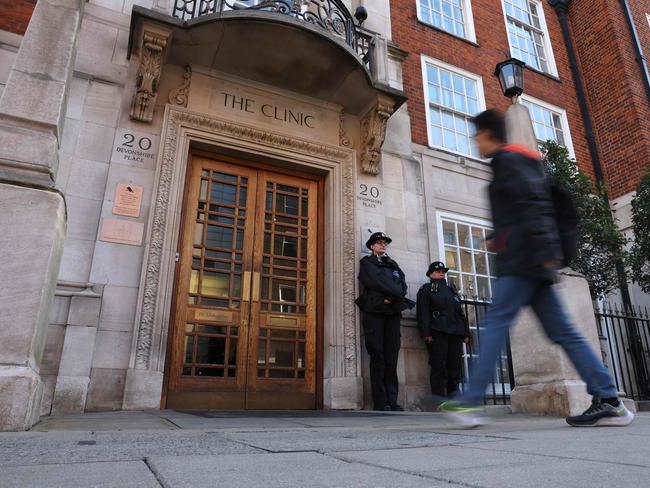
(373, 133)
(152, 55)
(344, 139)
(179, 96)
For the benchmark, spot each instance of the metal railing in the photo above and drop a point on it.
(625, 344)
(498, 392)
(330, 15)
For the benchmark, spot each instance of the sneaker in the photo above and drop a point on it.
(396, 408)
(602, 414)
(468, 417)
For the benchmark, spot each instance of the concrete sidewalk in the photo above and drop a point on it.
(320, 449)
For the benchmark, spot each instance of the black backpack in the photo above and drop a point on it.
(566, 219)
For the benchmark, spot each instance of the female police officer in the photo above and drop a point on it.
(444, 328)
(382, 301)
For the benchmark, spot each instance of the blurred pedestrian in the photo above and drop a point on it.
(528, 253)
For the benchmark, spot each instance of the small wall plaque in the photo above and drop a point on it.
(122, 232)
(213, 315)
(128, 199)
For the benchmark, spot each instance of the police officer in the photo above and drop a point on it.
(444, 328)
(382, 301)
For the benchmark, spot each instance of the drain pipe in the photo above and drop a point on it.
(561, 7)
(643, 62)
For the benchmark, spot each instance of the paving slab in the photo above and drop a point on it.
(339, 440)
(31, 448)
(565, 473)
(96, 421)
(133, 474)
(294, 470)
(427, 460)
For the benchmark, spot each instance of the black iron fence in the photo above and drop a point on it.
(625, 343)
(498, 392)
(330, 15)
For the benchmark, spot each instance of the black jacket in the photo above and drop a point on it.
(380, 280)
(525, 233)
(439, 308)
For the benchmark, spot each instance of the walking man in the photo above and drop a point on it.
(528, 250)
(382, 301)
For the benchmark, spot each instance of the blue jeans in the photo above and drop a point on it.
(511, 293)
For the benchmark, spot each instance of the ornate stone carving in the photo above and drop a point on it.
(148, 77)
(178, 96)
(146, 326)
(373, 132)
(344, 140)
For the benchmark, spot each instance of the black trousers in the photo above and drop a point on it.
(382, 338)
(445, 355)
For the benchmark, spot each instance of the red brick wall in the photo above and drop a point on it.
(491, 37)
(619, 105)
(15, 15)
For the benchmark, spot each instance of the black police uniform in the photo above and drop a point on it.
(440, 315)
(381, 279)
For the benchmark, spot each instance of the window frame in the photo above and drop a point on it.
(466, 220)
(468, 19)
(426, 60)
(548, 47)
(563, 118)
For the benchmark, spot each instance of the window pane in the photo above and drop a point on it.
(449, 232)
(463, 235)
(466, 265)
(477, 238)
(436, 136)
(469, 286)
(480, 258)
(450, 258)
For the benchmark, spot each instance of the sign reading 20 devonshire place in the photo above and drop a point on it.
(134, 148)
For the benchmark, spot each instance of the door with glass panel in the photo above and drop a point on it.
(244, 329)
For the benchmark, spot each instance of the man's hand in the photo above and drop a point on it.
(466, 339)
(386, 301)
(428, 339)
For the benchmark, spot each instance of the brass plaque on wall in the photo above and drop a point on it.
(212, 315)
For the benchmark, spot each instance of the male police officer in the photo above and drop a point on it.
(382, 302)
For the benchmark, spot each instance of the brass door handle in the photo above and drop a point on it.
(256, 286)
(246, 287)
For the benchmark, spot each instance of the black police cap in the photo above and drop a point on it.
(435, 266)
(377, 236)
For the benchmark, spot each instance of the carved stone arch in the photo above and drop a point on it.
(181, 127)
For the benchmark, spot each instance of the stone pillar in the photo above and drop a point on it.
(32, 212)
(545, 381)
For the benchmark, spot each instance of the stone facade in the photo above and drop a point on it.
(110, 303)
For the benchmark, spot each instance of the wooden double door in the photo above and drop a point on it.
(244, 326)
